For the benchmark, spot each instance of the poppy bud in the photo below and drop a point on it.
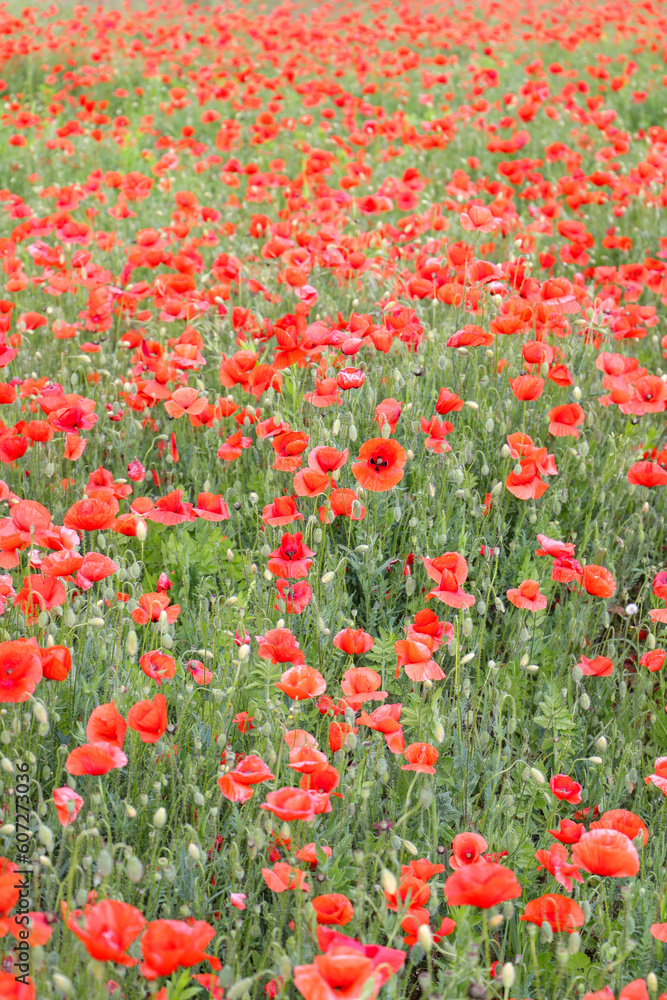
(574, 943)
(160, 818)
(39, 711)
(130, 810)
(507, 976)
(7, 765)
(508, 910)
(244, 652)
(104, 864)
(650, 640)
(505, 452)
(652, 982)
(496, 921)
(547, 934)
(489, 425)
(328, 577)
(471, 402)
(45, 835)
(467, 627)
(49, 469)
(239, 989)
(586, 907)
(285, 966)
(62, 984)
(601, 744)
(141, 531)
(439, 732)
(576, 392)
(537, 776)
(577, 674)
(194, 852)
(388, 880)
(425, 938)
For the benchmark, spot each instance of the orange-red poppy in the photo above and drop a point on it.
(379, 464)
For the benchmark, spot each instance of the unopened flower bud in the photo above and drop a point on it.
(40, 713)
(244, 652)
(595, 760)
(439, 732)
(652, 982)
(425, 938)
(574, 943)
(104, 863)
(585, 702)
(601, 744)
(194, 852)
(388, 881)
(508, 975)
(547, 933)
(496, 921)
(576, 392)
(132, 644)
(537, 776)
(160, 818)
(327, 577)
(141, 531)
(62, 983)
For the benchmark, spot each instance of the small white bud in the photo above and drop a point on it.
(425, 938)
(388, 881)
(141, 531)
(508, 975)
(601, 743)
(160, 818)
(537, 776)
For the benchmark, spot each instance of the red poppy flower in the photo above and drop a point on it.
(420, 757)
(95, 758)
(108, 930)
(283, 877)
(292, 560)
(647, 474)
(527, 596)
(416, 659)
(283, 510)
(354, 642)
(556, 861)
(39, 593)
(527, 387)
(346, 968)
(342, 503)
(106, 725)
(566, 789)
(333, 908)
(211, 507)
(379, 465)
(279, 646)
(448, 402)
(158, 666)
(290, 804)
(467, 849)
(96, 514)
(151, 607)
(624, 821)
(565, 419)
(295, 596)
(168, 945)
(606, 852)
(654, 659)
(149, 718)
(481, 885)
(20, 670)
(350, 378)
(68, 804)
(311, 483)
(601, 666)
(171, 510)
(301, 682)
(598, 581)
(436, 432)
(361, 684)
(561, 913)
(199, 673)
(385, 720)
(569, 832)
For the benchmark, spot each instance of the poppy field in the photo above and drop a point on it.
(333, 554)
